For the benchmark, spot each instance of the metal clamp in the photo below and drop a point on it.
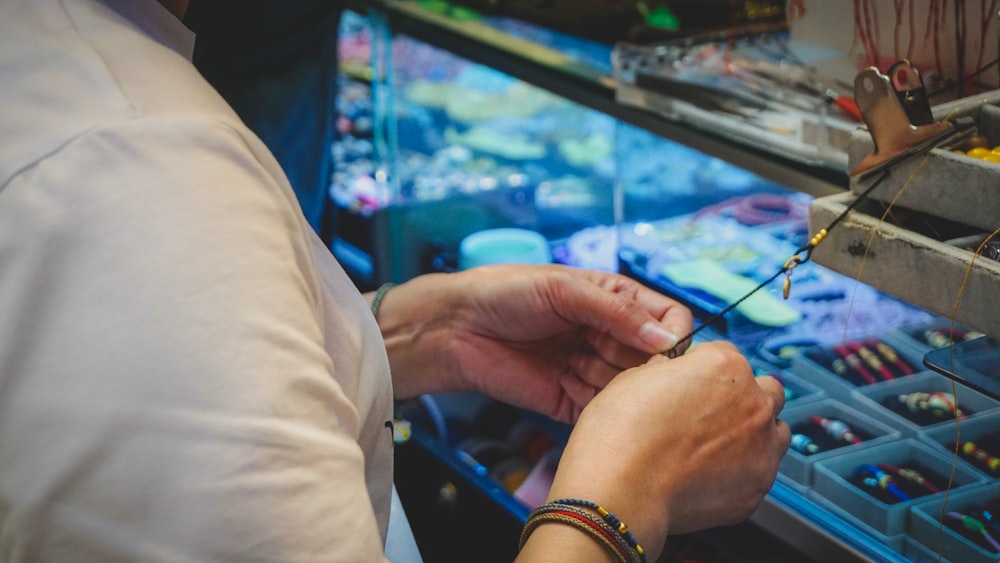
(897, 112)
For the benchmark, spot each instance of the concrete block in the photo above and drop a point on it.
(912, 266)
(940, 182)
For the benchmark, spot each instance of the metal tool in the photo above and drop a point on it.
(898, 115)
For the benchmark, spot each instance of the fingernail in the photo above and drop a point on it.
(656, 336)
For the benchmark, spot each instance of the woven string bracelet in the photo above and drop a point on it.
(379, 295)
(623, 548)
(611, 519)
(603, 534)
(626, 548)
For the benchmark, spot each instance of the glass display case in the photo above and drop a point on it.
(455, 147)
(443, 138)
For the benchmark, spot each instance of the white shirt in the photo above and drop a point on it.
(185, 372)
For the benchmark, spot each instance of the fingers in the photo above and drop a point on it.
(604, 358)
(675, 317)
(781, 432)
(783, 437)
(615, 352)
(593, 369)
(634, 315)
(579, 393)
(773, 389)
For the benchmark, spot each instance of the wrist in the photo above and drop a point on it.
(553, 542)
(415, 319)
(643, 521)
(375, 298)
(602, 526)
(619, 488)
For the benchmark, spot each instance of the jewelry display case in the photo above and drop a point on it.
(479, 122)
(456, 147)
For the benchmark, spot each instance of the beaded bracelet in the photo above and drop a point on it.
(836, 429)
(881, 480)
(873, 361)
(379, 295)
(583, 521)
(610, 518)
(890, 355)
(911, 475)
(803, 444)
(855, 363)
(980, 457)
(976, 527)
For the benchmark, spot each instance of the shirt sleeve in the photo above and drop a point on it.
(165, 393)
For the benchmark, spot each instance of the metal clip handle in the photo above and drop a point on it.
(910, 92)
(893, 131)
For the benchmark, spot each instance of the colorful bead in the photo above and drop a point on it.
(874, 362)
(609, 517)
(939, 404)
(892, 357)
(836, 429)
(981, 456)
(882, 480)
(804, 444)
(911, 475)
(975, 526)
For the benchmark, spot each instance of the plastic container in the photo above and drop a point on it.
(970, 429)
(926, 526)
(503, 246)
(872, 399)
(912, 339)
(895, 541)
(831, 481)
(798, 467)
(919, 553)
(806, 367)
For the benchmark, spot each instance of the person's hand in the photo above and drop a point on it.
(674, 446)
(545, 338)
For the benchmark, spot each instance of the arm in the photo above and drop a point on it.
(655, 440)
(658, 447)
(172, 398)
(541, 337)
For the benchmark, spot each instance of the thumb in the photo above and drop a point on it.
(621, 316)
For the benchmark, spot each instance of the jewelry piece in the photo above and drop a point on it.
(881, 480)
(988, 519)
(840, 367)
(981, 456)
(892, 357)
(379, 296)
(804, 444)
(943, 337)
(911, 475)
(873, 361)
(598, 530)
(855, 363)
(937, 404)
(975, 526)
(836, 429)
(615, 523)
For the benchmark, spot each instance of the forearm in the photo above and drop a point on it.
(415, 319)
(557, 542)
